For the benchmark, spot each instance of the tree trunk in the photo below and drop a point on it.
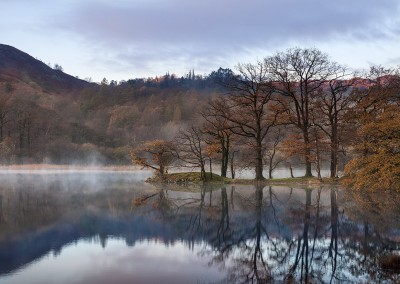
(318, 158)
(307, 154)
(210, 169)
(224, 166)
(334, 152)
(291, 171)
(232, 166)
(202, 172)
(270, 170)
(259, 162)
(333, 164)
(308, 166)
(161, 170)
(224, 162)
(271, 166)
(319, 169)
(225, 156)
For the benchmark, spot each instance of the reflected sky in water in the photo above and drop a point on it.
(112, 227)
(149, 261)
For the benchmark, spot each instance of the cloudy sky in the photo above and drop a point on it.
(122, 39)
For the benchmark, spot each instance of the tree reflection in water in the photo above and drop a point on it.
(298, 238)
(255, 234)
(249, 264)
(372, 231)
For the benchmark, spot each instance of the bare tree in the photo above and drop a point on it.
(218, 128)
(249, 108)
(298, 74)
(331, 105)
(58, 67)
(156, 154)
(192, 149)
(271, 153)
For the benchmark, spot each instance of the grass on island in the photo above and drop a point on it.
(195, 177)
(191, 177)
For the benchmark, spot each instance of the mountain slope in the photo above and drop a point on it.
(18, 65)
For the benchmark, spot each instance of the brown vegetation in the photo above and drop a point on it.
(296, 107)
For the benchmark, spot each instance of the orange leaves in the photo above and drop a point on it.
(375, 172)
(155, 154)
(212, 149)
(293, 145)
(379, 168)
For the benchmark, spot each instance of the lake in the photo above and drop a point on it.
(111, 227)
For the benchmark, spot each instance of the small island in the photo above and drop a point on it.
(184, 178)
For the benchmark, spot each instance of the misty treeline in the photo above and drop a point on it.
(296, 107)
(98, 124)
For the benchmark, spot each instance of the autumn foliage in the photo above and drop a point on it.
(156, 154)
(379, 165)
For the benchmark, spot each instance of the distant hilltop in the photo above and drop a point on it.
(18, 65)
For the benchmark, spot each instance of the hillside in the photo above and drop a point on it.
(20, 66)
(49, 116)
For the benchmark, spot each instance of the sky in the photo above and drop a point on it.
(125, 39)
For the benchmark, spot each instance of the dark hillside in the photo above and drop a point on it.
(49, 116)
(15, 64)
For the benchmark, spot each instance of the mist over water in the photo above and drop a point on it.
(71, 177)
(278, 173)
(248, 173)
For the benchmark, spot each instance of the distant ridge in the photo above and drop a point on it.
(16, 64)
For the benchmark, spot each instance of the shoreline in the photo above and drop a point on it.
(192, 178)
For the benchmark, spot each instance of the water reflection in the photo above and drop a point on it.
(228, 234)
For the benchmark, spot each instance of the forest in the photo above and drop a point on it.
(296, 108)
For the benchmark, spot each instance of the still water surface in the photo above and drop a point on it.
(110, 227)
